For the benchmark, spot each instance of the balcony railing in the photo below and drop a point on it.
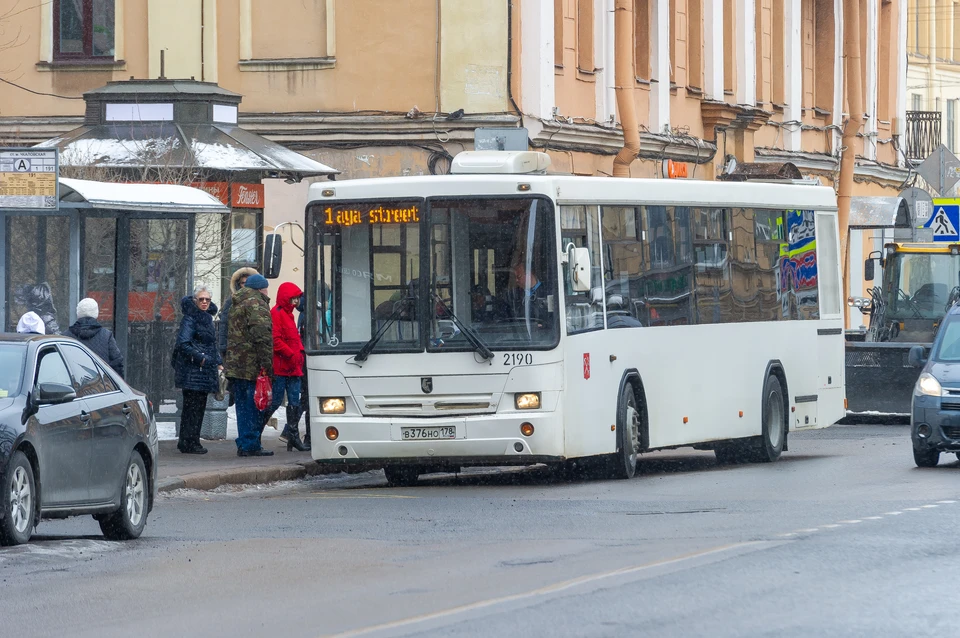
(923, 134)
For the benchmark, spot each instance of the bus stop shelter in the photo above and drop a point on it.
(132, 247)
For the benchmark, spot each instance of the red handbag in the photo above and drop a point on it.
(263, 393)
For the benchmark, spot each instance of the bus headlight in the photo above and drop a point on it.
(527, 401)
(333, 405)
(928, 385)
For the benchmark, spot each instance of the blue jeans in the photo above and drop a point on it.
(248, 417)
(281, 385)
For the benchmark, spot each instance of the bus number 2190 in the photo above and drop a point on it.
(517, 359)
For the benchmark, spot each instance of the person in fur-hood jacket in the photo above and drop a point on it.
(237, 281)
(287, 364)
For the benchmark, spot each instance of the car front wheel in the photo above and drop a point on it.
(128, 522)
(19, 501)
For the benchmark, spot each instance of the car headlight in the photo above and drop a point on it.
(527, 401)
(928, 385)
(333, 405)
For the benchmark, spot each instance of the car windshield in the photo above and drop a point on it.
(11, 368)
(918, 286)
(948, 351)
(492, 266)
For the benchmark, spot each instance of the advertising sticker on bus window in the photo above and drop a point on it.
(586, 365)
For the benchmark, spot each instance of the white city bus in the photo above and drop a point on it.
(503, 316)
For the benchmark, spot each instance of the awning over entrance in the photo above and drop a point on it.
(879, 212)
(139, 197)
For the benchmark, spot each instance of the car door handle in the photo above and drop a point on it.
(126, 410)
(84, 416)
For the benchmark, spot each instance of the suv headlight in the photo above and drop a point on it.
(928, 385)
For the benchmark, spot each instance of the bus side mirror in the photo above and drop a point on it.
(868, 269)
(272, 255)
(579, 268)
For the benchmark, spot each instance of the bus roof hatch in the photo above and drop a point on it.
(499, 163)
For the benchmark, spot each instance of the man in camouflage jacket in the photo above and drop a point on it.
(249, 350)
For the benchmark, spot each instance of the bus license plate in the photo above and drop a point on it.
(427, 434)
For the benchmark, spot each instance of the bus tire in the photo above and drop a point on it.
(774, 416)
(401, 475)
(624, 462)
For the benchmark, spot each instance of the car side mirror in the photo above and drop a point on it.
(915, 358)
(272, 255)
(55, 393)
(868, 269)
(579, 269)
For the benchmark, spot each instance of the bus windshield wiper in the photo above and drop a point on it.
(469, 333)
(401, 306)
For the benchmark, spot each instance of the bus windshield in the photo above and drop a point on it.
(404, 275)
(918, 285)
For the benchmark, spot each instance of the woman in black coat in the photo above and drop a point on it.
(196, 365)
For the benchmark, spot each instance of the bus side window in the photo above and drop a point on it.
(579, 226)
(623, 265)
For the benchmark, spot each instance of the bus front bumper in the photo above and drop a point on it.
(478, 439)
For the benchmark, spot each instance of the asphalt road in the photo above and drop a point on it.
(842, 537)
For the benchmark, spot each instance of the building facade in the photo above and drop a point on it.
(379, 87)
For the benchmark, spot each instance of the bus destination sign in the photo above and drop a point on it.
(355, 214)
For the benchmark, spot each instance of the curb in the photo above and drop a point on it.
(253, 475)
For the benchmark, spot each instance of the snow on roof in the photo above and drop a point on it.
(114, 152)
(155, 197)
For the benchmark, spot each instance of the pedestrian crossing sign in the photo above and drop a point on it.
(945, 220)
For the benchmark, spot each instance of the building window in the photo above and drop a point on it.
(84, 29)
(558, 32)
(917, 101)
(585, 35)
(641, 37)
(951, 124)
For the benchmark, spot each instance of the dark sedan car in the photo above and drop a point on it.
(74, 439)
(935, 414)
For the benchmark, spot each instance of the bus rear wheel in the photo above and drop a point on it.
(774, 415)
(624, 462)
(401, 475)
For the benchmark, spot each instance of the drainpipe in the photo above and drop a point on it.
(854, 86)
(625, 78)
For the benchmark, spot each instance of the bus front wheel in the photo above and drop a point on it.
(624, 462)
(401, 475)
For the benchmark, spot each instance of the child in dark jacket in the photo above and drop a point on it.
(87, 329)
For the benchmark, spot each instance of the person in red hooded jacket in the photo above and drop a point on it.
(287, 364)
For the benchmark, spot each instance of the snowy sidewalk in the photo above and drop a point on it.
(222, 466)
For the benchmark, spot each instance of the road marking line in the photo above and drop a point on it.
(831, 526)
(928, 507)
(872, 518)
(541, 591)
(851, 522)
(946, 502)
(893, 513)
(911, 509)
(787, 535)
(809, 530)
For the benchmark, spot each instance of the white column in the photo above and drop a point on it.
(713, 49)
(838, 77)
(537, 86)
(46, 32)
(660, 51)
(870, 126)
(246, 29)
(793, 73)
(901, 113)
(747, 53)
(605, 53)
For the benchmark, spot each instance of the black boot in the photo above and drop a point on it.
(292, 429)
